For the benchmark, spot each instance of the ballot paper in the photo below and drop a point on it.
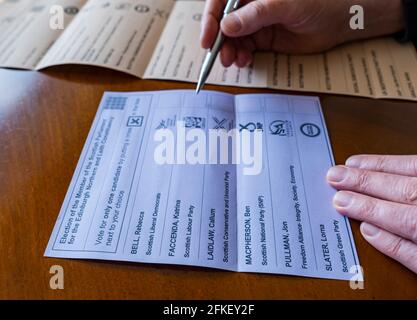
(123, 204)
(159, 39)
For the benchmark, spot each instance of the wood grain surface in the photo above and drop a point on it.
(44, 121)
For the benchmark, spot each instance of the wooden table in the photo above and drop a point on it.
(44, 121)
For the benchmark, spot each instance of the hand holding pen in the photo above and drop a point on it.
(288, 26)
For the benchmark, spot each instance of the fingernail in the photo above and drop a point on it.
(232, 22)
(369, 230)
(353, 162)
(342, 199)
(336, 174)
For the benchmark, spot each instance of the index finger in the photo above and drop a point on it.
(213, 11)
(210, 23)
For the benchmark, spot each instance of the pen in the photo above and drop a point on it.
(215, 49)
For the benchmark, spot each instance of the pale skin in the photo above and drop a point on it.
(294, 26)
(380, 191)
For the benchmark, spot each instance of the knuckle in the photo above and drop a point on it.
(410, 226)
(368, 209)
(260, 8)
(362, 181)
(394, 247)
(413, 166)
(380, 163)
(409, 194)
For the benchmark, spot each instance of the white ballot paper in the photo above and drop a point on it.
(124, 205)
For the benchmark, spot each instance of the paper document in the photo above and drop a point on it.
(159, 39)
(275, 216)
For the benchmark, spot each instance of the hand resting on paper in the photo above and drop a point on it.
(381, 191)
(294, 26)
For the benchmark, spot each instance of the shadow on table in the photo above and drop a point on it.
(88, 74)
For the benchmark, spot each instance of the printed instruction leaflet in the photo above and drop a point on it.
(159, 39)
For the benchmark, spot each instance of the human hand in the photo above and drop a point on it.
(382, 192)
(293, 26)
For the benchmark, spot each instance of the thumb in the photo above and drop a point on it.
(253, 16)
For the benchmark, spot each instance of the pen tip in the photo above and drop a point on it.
(197, 90)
